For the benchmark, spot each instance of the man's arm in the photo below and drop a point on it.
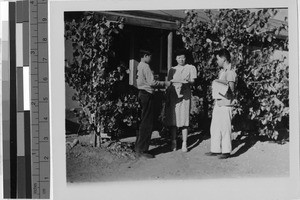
(228, 102)
(231, 86)
(151, 81)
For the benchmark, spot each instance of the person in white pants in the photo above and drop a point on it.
(220, 129)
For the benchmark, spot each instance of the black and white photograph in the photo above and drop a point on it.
(155, 94)
(164, 98)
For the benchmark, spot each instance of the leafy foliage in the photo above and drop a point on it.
(262, 88)
(94, 80)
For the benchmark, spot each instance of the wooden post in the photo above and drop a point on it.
(98, 140)
(132, 63)
(95, 139)
(170, 49)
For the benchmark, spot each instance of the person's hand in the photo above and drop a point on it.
(178, 81)
(234, 102)
(167, 83)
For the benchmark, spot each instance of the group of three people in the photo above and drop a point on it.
(178, 102)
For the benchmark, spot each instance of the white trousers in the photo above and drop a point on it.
(220, 129)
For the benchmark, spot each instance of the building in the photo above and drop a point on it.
(154, 29)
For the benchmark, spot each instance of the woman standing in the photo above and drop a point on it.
(178, 101)
(220, 129)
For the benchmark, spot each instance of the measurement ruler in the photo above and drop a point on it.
(40, 134)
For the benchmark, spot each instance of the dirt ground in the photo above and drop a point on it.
(251, 158)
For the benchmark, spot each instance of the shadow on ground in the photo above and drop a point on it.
(163, 144)
(243, 143)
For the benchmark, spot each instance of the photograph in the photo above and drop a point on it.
(182, 100)
(143, 85)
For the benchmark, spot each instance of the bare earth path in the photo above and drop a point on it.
(251, 159)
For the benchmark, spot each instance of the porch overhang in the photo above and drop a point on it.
(166, 19)
(144, 19)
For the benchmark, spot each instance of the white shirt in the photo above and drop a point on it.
(145, 79)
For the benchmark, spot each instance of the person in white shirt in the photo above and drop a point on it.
(220, 129)
(146, 84)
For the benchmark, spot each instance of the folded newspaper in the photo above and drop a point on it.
(219, 89)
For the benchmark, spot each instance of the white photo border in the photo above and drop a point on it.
(242, 188)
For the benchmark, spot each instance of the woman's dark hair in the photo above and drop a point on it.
(144, 52)
(224, 53)
(180, 52)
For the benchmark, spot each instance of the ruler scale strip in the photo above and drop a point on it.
(13, 100)
(40, 145)
(5, 99)
(21, 176)
(26, 93)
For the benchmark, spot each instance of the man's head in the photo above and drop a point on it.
(145, 56)
(223, 56)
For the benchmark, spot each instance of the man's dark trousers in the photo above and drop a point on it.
(146, 125)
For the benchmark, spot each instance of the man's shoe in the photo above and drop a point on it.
(224, 156)
(145, 155)
(174, 145)
(212, 154)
